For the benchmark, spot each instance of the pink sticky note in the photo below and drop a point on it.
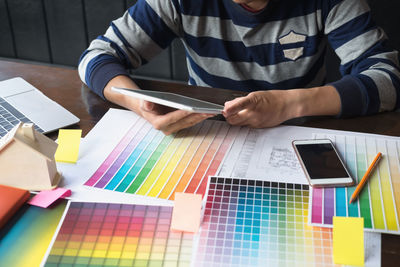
(46, 197)
(187, 212)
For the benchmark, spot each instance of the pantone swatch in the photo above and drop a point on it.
(147, 162)
(96, 234)
(379, 201)
(259, 223)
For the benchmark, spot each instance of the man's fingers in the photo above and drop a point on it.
(160, 121)
(236, 105)
(241, 118)
(175, 120)
(186, 122)
(151, 107)
(147, 106)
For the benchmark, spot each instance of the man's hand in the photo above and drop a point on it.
(270, 108)
(258, 109)
(169, 120)
(162, 118)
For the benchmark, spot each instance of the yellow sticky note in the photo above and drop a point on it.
(348, 241)
(187, 212)
(68, 145)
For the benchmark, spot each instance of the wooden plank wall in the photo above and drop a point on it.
(58, 31)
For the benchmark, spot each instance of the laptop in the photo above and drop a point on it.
(21, 102)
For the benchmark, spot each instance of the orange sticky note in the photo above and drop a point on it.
(46, 197)
(348, 241)
(68, 145)
(187, 212)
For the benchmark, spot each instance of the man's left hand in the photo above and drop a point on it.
(270, 108)
(259, 109)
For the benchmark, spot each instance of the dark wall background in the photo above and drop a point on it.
(385, 14)
(58, 31)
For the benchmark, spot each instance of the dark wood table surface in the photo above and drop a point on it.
(64, 86)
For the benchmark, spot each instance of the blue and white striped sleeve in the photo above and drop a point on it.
(141, 33)
(371, 73)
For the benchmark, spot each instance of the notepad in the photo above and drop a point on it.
(348, 240)
(11, 199)
(68, 146)
(47, 197)
(187, 212)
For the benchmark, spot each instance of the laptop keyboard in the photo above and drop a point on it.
(9, 117)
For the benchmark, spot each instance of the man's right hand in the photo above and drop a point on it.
(169, 120)
(165, 119)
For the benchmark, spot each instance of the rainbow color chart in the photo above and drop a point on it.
(379, 201)
(146, 162)
(259, 223)
(96, 234)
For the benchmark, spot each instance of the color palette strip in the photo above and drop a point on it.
(379, 201)
(259, 223)
(146, 162)
(97, 234)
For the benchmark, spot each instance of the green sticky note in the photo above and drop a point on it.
(348, 241)
(68, 145)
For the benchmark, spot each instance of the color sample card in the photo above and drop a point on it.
(47, 197)
(68, 145)
(379, 201)
(26, 237)
(146, 162)
(186, 215)
(259, 223)
(348, 240)
(97, 234)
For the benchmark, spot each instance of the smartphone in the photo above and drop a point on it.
(321, 163)
(172, 100)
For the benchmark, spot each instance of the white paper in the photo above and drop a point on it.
(372, 249)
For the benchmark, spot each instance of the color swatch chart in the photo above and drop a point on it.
(146, 162)
(96, 234)
(259, 223)
(379, 201)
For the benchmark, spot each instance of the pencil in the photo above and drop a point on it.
(365, 177)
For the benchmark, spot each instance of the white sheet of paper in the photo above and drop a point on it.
(372, 249)
(266, 153)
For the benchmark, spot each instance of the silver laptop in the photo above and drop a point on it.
(21, 102)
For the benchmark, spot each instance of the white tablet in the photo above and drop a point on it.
(172, 100)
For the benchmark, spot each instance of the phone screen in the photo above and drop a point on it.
(321, 161)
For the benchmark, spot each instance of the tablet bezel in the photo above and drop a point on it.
(174, 100)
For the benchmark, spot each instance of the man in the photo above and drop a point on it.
(271, 48)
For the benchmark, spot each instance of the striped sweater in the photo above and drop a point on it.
(280, 47)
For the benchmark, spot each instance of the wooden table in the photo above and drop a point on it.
(64, 86)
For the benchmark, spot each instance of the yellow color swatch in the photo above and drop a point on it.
(186, 214)
(68, 145)
(348, 241)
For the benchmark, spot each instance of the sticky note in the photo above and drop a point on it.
(348, 241)
(46, 197)
(68, 145)
(187, 212)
